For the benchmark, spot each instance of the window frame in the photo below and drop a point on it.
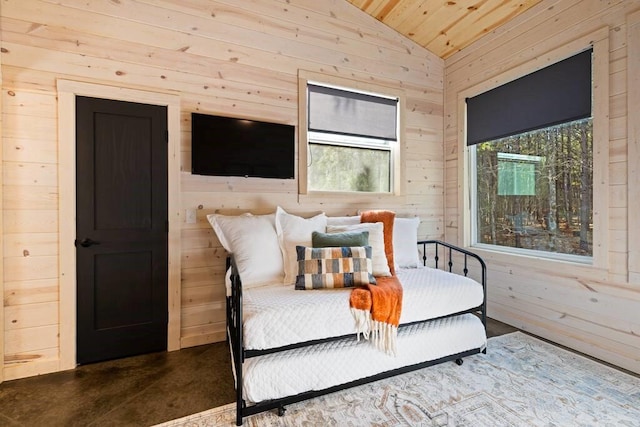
(396, 149)
(599, 41)
(633, 151)
(560, 256)
(316, 138)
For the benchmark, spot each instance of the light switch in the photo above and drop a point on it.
(190, 217)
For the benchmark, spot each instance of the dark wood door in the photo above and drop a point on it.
(121, 229)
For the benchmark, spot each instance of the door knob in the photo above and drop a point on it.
(86, 242)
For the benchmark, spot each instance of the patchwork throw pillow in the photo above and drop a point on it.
(333, 267)
(348, 238)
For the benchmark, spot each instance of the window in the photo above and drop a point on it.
(352, 139)
(531, 157)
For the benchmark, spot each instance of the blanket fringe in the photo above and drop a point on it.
(383, 335)
(363, 322)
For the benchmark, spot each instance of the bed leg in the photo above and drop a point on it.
(459, 362)
(281, 411)
(239, 417)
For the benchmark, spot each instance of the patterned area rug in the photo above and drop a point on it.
(521, 381)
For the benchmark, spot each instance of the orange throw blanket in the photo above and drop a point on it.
(377, 308)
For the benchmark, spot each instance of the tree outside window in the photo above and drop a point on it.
(535, 190)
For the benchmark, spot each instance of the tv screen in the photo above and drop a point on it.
(225, 146)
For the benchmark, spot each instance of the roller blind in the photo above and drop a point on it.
(556, 94)
(343, 112)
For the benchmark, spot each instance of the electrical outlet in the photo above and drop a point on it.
(190, 216)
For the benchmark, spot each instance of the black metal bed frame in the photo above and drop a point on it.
(239, 353)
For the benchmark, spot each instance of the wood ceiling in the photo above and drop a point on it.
(444, 27)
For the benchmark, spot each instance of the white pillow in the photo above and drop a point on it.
(292, 231)
(376, 241)
(253, 242)
(343, 220)
(405, 238)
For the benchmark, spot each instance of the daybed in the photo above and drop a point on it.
(289, 345)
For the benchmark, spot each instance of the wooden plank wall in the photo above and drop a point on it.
(633, 150)
(1, 238)
(229, 57)
(594, 310)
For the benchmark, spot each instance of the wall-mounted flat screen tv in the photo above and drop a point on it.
(225, 146)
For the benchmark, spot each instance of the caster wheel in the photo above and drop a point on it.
(281, 411)
(459, 362)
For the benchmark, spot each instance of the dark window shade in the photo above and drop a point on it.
(351, 113)
(556, 94)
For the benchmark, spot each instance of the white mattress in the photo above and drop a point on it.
(329, 364)
(277, 315)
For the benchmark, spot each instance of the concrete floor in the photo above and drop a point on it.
(136, 391)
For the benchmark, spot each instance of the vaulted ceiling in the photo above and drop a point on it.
(444, 26)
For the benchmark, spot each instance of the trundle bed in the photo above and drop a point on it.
(289, 345)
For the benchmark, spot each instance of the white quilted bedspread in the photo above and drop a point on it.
(338, 362)
(277, 315)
